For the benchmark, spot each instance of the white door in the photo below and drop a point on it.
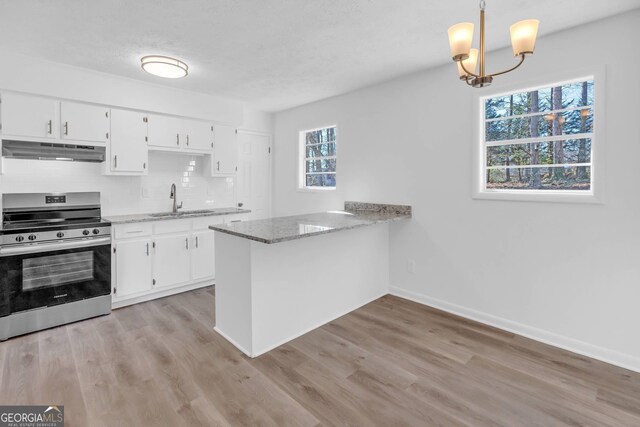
(128, 141)
(254, 174)
(171, 260)
(225, 150)
(202, 255)
(199, 135)
(165, 131)
(84, 122)
(26, 115)
(133, 267)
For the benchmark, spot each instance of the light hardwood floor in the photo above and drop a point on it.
(390, 363)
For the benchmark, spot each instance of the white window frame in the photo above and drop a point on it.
(479, 168)
(302, 158)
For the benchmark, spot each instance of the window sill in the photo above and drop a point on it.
(552, 196)
(315, 189)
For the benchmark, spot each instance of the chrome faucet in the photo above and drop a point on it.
(174, 196)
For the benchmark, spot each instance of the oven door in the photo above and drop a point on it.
(48, 274)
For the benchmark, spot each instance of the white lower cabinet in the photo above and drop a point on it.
(133, 267)
(202, 264)
(171, 260)
(155, 259)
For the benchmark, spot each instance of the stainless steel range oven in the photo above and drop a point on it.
(55, 261)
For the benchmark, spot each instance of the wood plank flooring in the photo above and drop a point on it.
(390, 363)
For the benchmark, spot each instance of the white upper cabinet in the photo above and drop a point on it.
(128, 146)
(165, 131)
(84, 122)
(199, 135)
(29, 116)
(225, 151)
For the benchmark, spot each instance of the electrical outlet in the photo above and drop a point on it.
(145, 192)
(411, 266)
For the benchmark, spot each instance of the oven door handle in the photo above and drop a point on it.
(48, 247)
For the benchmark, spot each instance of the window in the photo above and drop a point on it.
(318, 159)
(538, 141)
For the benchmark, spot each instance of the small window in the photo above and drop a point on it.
(318, 159)
(539, 141)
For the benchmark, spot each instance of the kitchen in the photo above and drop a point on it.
(451, 303)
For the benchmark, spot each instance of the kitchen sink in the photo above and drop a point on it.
(182, 213)
(166, 214)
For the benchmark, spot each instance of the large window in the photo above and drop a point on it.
(318, 158)
(539, 140)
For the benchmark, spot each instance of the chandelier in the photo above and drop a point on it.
(523, 41)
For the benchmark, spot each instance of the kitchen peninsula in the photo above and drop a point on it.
(279, 278)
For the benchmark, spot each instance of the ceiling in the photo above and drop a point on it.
(271, 54)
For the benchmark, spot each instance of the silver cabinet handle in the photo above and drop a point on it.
(50, 127)
(147, 249)
(218, 165)
(66, 128)
(187, 140)
(115, 161)
(144, 166)
(196, 242)
(186, 243)
(177, 139)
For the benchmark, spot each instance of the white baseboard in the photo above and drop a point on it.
(623, 360)
(125, 301)
(232, 341)
(307, 330)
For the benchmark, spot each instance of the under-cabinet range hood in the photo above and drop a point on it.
(52, 151)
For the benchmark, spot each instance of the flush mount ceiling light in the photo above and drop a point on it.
(164, 66)
(523, 41)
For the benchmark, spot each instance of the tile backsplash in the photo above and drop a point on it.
(124, 194)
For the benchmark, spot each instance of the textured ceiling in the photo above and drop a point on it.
(272, 54)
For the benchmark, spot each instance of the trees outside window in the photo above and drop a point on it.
(318, 158)
(539, 140)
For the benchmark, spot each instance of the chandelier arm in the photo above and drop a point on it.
(510, 69)
(469, 73)
(467, 80)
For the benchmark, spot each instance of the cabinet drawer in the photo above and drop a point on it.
(236, 218)
(172, 226)
(204, 222)
(125, 231)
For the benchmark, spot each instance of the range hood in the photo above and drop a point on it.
(52, 151)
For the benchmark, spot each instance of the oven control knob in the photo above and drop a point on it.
(60, 235)
(85, 232)
(19, 238)
(32, 237)
(96, 231)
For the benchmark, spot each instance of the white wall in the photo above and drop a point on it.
(124, 195)
(563, 273)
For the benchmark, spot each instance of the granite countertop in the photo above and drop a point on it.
(282, 229)
(162, 216)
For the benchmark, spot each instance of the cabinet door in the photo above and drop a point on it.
(128, 141)
(171, 260)
(199, 135)
(84, 122)
(225, 155)
(30, 116)
(202, 255)
(165, 131)
(133, 267)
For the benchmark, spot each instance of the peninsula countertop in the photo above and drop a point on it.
(161, 216)
(282, 229)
